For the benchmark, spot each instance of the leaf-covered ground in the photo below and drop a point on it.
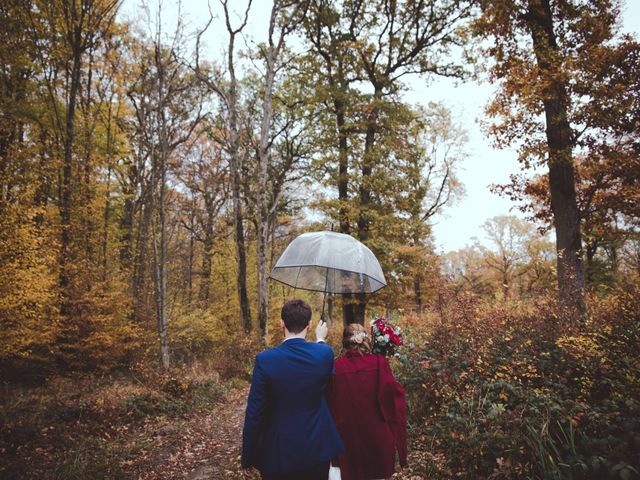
(118, 429)
(207, 446)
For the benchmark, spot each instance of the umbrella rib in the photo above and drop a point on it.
(295, 285)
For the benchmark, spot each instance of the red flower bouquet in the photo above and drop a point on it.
(387, 338)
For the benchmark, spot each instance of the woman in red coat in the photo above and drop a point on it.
(369, 409)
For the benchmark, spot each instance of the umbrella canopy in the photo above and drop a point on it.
(329, 262)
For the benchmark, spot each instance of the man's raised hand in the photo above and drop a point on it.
(322, 330)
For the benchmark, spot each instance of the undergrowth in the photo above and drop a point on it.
(515, 390)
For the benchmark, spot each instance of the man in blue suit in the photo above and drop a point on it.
(288, 431)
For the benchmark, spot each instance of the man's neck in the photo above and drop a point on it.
(288, 335)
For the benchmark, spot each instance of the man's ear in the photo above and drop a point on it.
(282, 324)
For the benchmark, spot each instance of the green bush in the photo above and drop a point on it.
(512, 391)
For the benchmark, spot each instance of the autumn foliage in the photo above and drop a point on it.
(147, 186)
(512, 390)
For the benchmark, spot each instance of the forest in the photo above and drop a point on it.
(149, 181)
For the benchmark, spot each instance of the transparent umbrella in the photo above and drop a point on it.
(329, 262)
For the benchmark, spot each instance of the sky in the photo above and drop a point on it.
(461, 222)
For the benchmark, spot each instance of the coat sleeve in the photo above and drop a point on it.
(256, 407)
(393, 407)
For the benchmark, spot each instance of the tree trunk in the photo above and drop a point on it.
(140, 265)
(591, 247)
(205, 283)
(161, 262)
(105, 226)
(364, 216)
(343, 166)
(263, 171)
(161, 249)
(126, 227)
(107, 201)
(348, 312)
(67, 173)
(566, 216)
(191, 254)
(613, 259)
(235, 167)
(88, 222)
(506, 283)
(417, 290)
(263, 317)
(360, 308)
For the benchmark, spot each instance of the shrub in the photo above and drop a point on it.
(510, 390)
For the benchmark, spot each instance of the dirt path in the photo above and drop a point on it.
(206, 446)
(202, 446)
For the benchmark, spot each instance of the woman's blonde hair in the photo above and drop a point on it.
(356, 337)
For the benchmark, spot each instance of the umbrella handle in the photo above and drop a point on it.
(324, 294)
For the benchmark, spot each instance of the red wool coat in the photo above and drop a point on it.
(369, 408)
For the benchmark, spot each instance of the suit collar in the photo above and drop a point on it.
(293, 341)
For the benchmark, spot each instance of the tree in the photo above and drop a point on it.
(362, 52)
(62, 126)
(283, 20)
(205, 175)
(564, 61)
(516, 260)
(466, 269)
(605, 190)
(169, 103)
(436, 147)
(227, 91)
(508, 236)
(72, 29)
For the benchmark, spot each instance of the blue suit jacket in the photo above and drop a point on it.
(287, 424)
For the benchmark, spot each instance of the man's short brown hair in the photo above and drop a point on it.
(296, 315)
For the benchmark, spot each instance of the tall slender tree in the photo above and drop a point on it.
(170, 105)
(284, 18)
(228, 93)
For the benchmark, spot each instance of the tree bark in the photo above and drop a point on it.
(566, 216)
(343, 166)
(207, 260)
(107, 200)
(263, 166)
(105, 226)
(348, 311)
(126, 227)
(191, 253)
(235, 170)
(67, 173)
(417, 290)
(160, 248)
(364, 216)
(140, 265)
